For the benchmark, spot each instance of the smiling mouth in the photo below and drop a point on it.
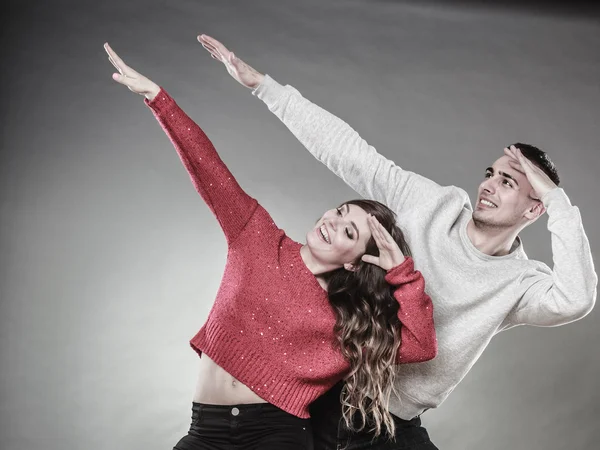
(487, 203)
(323, 233)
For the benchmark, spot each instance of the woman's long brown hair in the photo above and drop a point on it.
(368, 330)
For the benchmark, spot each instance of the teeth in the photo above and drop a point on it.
(324, 233)
(488, 203)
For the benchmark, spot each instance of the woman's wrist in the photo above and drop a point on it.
(153, 92)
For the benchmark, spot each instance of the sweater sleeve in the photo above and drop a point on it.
(568, 291)
(210, 176)
(418, 340)
(334, 143)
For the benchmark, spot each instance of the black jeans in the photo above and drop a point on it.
(260, 426)
(330, 431)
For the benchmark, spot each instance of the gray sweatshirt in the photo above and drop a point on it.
(475, 295)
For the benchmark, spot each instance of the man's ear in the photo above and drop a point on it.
(535, 211)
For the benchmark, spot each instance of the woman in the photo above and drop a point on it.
(291, 320)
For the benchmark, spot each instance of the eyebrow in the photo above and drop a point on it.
(504, 174)
(353, 224)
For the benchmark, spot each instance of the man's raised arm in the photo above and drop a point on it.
(568, 291)
(331, 140)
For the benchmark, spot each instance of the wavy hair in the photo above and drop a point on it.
(368, 330)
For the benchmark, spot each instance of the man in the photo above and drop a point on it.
(477, 272)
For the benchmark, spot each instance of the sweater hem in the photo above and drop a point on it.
(269, 381)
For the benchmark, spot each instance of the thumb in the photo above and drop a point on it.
(371, 259)
(235, 61)
(122, 79)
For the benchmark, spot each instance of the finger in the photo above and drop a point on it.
(237, 63)
(527, 166)
(379, 237)
(125, 81)
(508, 152)
(114, 58)
(372, 228)
(514, 151)
(374, 232)
(211, 43)
(207, 40)
(215, 43)
(371, 259)
(114, 63)
(213, 53)
(209, 47)
(118, 62)
(383, 234)
(517, 166)
(128, 71)
(535, 170)
(204, 38)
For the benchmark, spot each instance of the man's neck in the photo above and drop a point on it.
(491, 241)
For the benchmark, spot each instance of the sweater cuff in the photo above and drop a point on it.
(161, 103)
(402, 273)
(269, 91)
(556, 200)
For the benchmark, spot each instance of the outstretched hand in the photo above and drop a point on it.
(135, 81)
(390, 254)
(238, 69)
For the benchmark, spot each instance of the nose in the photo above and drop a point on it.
(489, 185)
(333, 223)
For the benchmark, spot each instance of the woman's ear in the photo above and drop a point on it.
(351, 267)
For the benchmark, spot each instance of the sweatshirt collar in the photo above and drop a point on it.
(516, 251)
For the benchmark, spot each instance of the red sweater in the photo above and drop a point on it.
(271, 325)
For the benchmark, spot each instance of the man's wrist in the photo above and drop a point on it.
(544, 198)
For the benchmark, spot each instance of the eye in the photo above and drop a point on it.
(488, 174)
(507, 183)
(347, 230)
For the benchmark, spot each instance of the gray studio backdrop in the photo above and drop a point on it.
(110, 261)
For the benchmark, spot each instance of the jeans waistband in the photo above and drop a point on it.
(242, 411)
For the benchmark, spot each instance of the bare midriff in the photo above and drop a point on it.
(216, 386)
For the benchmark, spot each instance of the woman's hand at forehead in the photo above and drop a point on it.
(390, 254)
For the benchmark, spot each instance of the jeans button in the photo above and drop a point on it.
(235, 411)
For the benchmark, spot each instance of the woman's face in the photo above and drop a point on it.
(340, 236)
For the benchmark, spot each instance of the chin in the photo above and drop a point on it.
(482, 222)
(479, 216)
(480, 219)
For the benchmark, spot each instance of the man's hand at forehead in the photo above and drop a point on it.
(540, 182)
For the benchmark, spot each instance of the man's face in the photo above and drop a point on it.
(505, 198)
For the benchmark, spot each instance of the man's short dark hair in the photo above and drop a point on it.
(541, 159)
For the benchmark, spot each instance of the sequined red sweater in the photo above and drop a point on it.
(271, 325)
